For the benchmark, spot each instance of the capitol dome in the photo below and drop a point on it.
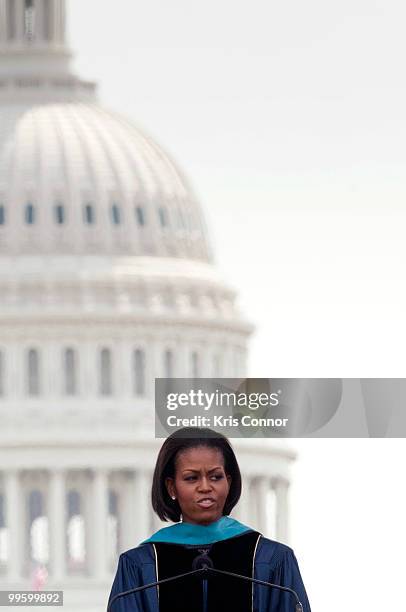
(107, 282)
(75, 178)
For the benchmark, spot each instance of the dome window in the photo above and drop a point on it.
(33, 374)
(59, 212)
(115, 214)
(38, 527)
(76, 541)
(113, 524)
(168, 364)
(29, 214)
(3, 548)
(181, 220)
(140, 215)
(2, 215)
(89, 215)
(70, 371)
(105, 373)
(163, 217)
(1, 373)
(139, 372)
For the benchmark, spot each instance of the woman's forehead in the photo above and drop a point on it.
(200, 455)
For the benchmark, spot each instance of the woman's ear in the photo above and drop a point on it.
(170, 487)
(229, 479)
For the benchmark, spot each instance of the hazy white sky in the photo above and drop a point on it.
(289, 118)
(349, 508)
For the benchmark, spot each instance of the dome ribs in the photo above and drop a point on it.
(77, 155)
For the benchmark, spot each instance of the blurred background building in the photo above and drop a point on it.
(106, 282)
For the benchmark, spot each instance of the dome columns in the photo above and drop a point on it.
(97, 522)
(281, 487)
(14, 520)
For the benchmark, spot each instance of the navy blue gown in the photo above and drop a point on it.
(240, 549)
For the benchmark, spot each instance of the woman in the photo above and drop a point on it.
(196, 484)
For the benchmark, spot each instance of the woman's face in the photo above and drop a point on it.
(200, 485)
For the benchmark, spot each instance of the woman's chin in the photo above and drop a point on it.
(205, 518)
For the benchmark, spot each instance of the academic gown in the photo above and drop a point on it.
(233, 547)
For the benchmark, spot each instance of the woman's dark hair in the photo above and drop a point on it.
(191, 437)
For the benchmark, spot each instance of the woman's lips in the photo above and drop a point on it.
(207, 502)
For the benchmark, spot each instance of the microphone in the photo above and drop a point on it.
(298, 607)
(202, 561)
(203, 565)
(143, 587)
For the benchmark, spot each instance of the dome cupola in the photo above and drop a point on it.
(34, 58)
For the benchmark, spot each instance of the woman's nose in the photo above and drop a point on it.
(204, 484)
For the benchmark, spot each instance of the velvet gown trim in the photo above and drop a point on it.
(235, 554)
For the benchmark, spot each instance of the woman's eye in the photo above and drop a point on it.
(213, 477)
